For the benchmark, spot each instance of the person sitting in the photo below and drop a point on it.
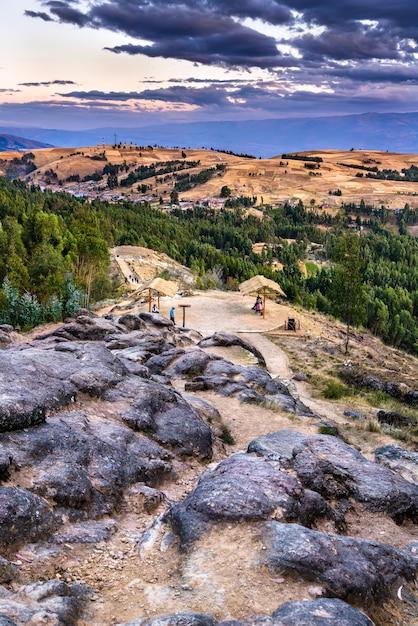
(154, 308)
(257, 304)
(259, 307)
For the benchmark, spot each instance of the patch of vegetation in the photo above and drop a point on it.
(325, 429)
(384, 400)
(373, 426)
(188, 181)
(301, 157)
(335, 390)
(43, 235)
(226, 436)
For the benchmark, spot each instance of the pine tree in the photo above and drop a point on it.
(347, 291)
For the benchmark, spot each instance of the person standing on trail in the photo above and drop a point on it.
(172, 310)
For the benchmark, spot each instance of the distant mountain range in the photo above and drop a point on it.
(12, 143)
(393, 132)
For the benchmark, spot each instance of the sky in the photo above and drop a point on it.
(80, 64)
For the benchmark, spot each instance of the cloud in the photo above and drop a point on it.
(231, 34)
(198, 32)
(320, 50)
(67, 14)
(48, 83)
(204, 96)
(42, 16)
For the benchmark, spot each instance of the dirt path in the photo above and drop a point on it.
(231, 312)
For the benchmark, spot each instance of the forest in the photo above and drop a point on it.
(54, 255)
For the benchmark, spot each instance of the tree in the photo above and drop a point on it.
(347, 292)
(225, 192)
(92, 251)
(174, 197)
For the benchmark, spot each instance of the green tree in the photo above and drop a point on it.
(225, 192)
(174, 196)
(92, 251)
(347, 292)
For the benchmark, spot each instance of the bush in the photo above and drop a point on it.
(226, 436)
(334, 390)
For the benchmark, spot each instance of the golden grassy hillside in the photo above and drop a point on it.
(271, 180)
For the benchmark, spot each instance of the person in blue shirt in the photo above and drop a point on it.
(172, 310)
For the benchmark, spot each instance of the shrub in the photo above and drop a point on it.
(226, 436)
(334, 390)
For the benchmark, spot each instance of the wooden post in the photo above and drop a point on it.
(149, 300)
(184, 306)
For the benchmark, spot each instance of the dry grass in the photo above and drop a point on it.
(271, 180)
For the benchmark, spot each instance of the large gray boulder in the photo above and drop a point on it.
(397, 458)
(336, 470)
(34, 381)
(165, 416)
(178, 619)
(251, 385)
(50, 602)
(85, 326)
(347, 567)
(228, 339)
(321, 612)
(24, 516)
(244, 488)
(80, 466)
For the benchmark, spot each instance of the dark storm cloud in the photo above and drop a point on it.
(67, 14)
(402, 13)
(235, 51)
(355, 45)
(196, 31)
(48, 83)
(325, 34)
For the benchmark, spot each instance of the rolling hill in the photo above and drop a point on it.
(19, 144)
(325, 178)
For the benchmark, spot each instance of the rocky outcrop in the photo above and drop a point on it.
(251, 385)
(397, 458)
(245, 488)
(322, 612)
(336, 470)
(49, 602)
(226, 339)
(85, 326)
(166, 417)
(81, 469)
(329, 560)
(106, 417)
(24, 516)
(8, 335)
(37, 381)
(356, 376)
(179, 619)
